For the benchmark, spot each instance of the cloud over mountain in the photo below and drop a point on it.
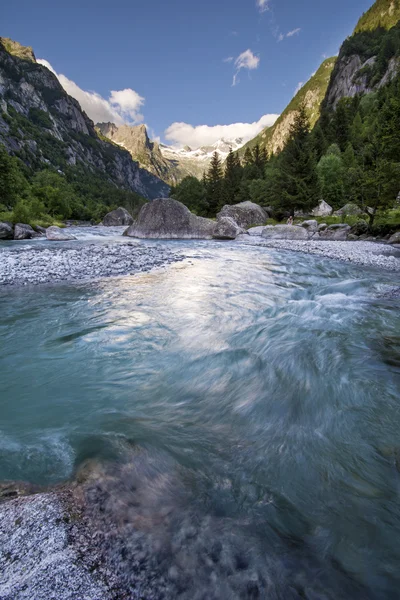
(122, 106)
(183, 134)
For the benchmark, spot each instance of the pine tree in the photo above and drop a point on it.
(214, 185)
(232, 177)
(294, 181)
(248, 157)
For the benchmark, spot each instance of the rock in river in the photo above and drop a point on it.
(284, 232)
(245, 214)
(165, 218)
(57, 234)
(119, 216)
(6, 231)
(227, 229)
(24, 232)
(337, 232)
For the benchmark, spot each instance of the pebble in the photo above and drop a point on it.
(41, 265)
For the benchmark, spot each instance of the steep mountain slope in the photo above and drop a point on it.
(141, 148)
(311, 94)
(384, 13)
(370, 58)
(169, 163)
(41, 124)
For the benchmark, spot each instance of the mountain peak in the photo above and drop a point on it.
(383, 13)
(17, 49)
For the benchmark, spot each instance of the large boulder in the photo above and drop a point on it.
(360, 227)
(256, 230)
(165, 218)
(56, 234)
(395, 238)
(284, 232)
(338, 232)
(119, 216)
(24, 232)
(322, 210)
(310, 225)
(227, 229)
(6, 231)
(348, 209)
(245, 214)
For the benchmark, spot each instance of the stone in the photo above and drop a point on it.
(322, 226)
(6, 231)
(245, 214)
(359, 228)
(348, 209)
(310, 225)
(395, 238)
(256, 230)
(338, 232)
(40, 229)
(284, 232)
(24, 232)
(322, 210)
(227, 229)
(165, 218)
(352, 237)
(118, 217)
(56, 234)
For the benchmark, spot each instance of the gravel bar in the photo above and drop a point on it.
(92, 261)
(368, 254)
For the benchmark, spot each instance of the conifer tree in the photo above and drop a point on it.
(214, 185)
(232, 177)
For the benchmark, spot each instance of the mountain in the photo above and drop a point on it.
(384, 13)
(196, 162)
(167, 162)
(370, 58)
(44, 126)
(311, 94)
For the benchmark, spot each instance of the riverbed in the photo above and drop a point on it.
(249, 393)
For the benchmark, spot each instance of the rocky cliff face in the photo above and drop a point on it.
(311, 95)
(43, 125)
(142, 149)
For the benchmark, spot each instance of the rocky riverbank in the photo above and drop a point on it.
(367, 254)
(36, 265)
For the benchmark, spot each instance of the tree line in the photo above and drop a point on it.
(352, 155)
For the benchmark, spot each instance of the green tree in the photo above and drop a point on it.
(191, 192)
(331, 176)
(293, 180)
(13, 185)
(232, 177)
(214, 186)
(259, 191)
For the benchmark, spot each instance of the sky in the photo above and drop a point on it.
(193, 72)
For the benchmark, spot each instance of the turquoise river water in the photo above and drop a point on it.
(272, 378)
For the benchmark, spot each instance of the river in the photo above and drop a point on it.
(267, 381)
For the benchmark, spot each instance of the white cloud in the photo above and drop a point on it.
(183, 134)
(228, 59)
(289, 34)
(263, 5)
(122, 106)
(245, 60)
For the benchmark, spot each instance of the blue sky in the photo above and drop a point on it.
(172, 64)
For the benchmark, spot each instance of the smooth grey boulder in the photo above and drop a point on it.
(56, 234)
(348, 209)
(395, 238)
(227, 229)
(284, 232)
(310, 225)
(322, 226)
(322, 210)
(24, 232)
(6, 231)
(40, 229)
(256, 230)
(117, 217)
(352, 237)
(338, 232)
(245, 214)
(168, 219)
